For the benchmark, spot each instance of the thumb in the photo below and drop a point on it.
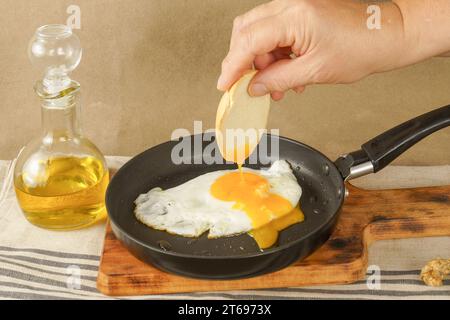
(281, 76)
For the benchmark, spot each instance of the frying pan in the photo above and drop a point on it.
(322, 182)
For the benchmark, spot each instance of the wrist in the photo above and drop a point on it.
(390, 45)
(415, 30)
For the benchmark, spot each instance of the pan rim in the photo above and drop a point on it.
(271, 250)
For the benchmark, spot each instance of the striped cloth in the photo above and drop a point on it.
(42, 264)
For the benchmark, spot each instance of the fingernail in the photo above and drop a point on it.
(258, 89)
(220, 83)
(299, 89)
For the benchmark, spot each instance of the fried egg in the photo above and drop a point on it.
(226, 203)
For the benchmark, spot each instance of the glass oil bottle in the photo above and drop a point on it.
(60, 177)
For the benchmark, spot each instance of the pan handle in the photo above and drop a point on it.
(377, 153)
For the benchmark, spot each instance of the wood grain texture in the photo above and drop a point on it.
(367, 216)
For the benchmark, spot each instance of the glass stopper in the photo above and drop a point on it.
(56, 51)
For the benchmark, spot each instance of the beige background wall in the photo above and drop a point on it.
(150, 66)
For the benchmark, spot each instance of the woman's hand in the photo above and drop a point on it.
(300, 42)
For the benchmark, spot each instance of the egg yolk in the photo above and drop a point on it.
(268, 212)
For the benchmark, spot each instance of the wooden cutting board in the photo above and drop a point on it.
(367, 216)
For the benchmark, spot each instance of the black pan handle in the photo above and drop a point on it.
(377, 153)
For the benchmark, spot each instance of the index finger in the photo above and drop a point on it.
(260, 12)
(258, 38)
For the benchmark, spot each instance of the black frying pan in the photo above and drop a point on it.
(322, 182)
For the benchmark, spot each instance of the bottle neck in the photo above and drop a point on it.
(60, 117)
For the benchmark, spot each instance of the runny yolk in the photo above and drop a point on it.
(268, 212)
(267, 235)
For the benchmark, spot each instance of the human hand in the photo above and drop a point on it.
(295, 43)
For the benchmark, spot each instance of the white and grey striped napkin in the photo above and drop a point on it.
(42, 264)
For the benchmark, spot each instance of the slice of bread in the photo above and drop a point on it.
(241, 120)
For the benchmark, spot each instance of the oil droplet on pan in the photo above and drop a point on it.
(164, 245)
(326, 169)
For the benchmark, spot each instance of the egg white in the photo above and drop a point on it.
(190, 210)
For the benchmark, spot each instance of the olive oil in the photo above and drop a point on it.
(66, 193)
(60, 176)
